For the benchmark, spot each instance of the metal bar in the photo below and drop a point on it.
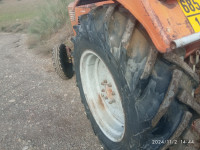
(185, 41)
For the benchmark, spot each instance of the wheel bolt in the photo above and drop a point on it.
(109, 85)
(112, 101)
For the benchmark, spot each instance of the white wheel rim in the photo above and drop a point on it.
(102, 96)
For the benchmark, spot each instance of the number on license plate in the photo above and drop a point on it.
(191, 9)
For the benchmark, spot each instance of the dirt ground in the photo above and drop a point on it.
(38, 110)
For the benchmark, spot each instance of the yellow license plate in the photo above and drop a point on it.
(191, 9)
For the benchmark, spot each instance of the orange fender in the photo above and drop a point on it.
(163, 20)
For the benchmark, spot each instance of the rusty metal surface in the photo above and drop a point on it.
(157, 17)
(164, 21)
(190, 49)
(84, 9)
(77, 12)
(171, 92)
(184, 41)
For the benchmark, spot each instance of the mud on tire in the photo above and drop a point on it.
(155, 89)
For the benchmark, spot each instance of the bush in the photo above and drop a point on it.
(52, 17)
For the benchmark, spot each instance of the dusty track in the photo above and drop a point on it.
(38, 110)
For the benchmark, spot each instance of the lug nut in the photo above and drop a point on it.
(112, 101)
(102, 90)
(109, 85)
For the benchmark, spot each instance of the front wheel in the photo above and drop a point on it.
(134, 97)
(61, 62)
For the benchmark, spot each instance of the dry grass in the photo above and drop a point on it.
(44, 47)
(46, 21)
(52, 16)
(16, 15)
(51, 27)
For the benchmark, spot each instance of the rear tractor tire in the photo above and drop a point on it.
(63, 66)
(134, 97)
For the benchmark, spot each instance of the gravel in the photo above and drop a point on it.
(38, 110)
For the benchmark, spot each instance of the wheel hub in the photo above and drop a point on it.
(102, 96)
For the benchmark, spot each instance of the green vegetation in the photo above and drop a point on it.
(42, 18)
(46, 21)
(17, 14)
(52, 16)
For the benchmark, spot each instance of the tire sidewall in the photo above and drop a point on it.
(129, 141)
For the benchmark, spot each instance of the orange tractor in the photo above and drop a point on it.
(131, 63)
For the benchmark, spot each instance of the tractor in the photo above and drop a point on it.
(135, 63)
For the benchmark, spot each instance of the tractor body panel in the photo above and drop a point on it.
(81, 10)
(164, 21)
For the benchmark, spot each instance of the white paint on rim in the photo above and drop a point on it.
(102, 96)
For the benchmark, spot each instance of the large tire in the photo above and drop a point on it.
(61, 63)
(154, 91)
